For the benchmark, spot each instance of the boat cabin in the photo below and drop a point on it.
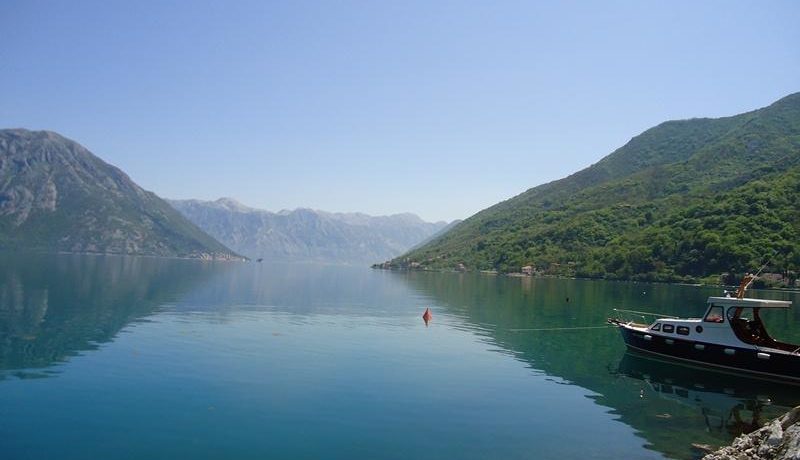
(727, 321)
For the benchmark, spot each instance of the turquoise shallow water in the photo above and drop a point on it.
(115, 357)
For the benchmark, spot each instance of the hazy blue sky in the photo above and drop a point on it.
(438, 108)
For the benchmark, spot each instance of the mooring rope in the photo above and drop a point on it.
(576, 328)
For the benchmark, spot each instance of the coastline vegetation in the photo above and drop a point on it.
(686, 201)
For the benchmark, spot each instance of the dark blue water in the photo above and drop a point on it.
(115, 357)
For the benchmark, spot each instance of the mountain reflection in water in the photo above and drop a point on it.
(265, 355)
(56, 306)
(670, 405)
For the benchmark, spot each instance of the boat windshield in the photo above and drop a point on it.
(747, 325)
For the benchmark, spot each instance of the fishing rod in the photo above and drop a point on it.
(645, 313)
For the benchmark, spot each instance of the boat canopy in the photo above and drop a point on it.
(749, 303)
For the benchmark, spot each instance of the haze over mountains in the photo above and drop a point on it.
(684, 200)
(55, 195)
(305, 234)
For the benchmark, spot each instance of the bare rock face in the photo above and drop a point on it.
(16, 203)
(55, 195)
(47, 196)
(779, 440)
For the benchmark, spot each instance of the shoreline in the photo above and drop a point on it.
(522, 275)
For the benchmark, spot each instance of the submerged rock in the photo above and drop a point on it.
(780, 440)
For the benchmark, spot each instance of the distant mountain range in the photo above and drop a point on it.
(682, 201)
(305, 234)
(55, 196)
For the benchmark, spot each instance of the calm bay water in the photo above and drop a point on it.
(134, 358)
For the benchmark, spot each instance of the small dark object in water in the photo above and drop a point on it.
(567, 299)
(259, 260)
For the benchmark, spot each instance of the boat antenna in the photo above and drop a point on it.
(748, 278)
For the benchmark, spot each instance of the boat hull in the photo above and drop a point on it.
(756, 362)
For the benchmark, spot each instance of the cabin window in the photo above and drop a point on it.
(668, 328)
(656, 327)
(683, 330)
(715, 315)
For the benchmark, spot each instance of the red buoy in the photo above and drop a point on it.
(427, 316)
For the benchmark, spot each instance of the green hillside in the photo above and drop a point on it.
(55, 195)
(683, 200)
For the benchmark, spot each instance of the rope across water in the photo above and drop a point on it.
(576, 328)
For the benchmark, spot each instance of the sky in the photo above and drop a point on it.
(433, 107)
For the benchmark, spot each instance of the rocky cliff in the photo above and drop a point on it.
(55, 195)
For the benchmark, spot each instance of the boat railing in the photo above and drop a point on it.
(626, 316)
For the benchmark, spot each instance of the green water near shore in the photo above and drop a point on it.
(151, 358)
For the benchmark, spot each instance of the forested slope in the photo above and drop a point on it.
(683, 200)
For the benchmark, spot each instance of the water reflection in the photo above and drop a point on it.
(318, 333)
(670, 406)
(730, 405)
(55, 306)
